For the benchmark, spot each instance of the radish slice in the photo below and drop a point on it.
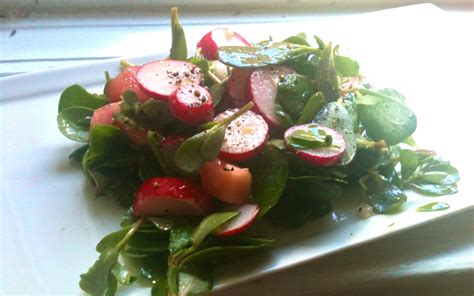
(236, 87)
(173, 196)
(126, 80)
(324, 156)
(262, 89)
(160, 79)
(192, 104)
(210, 43)
(245, 137)
(227, 182)
(248, 214)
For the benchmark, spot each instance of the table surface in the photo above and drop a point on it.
(433, 259)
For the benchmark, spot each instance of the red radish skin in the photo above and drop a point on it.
(227, 182)
(124, 81)
(262, 88)
(324, 156)
(236, 87)
(240, 223)
(245, 136)
(210, 43)
(105, 115)
(160, 79)
(173, 196)
(192, 104)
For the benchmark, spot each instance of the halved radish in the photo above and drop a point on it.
(323, 156)
(245, 136)
(192, 104)
(240, 223)
(105, 115)
(210, 42)
(169, 195)
(227, 182)
(236, 87)
(262, 89)
(160, 79)
(124, 81)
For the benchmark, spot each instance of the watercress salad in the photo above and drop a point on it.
(199, 148)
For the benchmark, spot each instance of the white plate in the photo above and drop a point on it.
(51, 221)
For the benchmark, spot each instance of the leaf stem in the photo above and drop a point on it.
(107, 76)
(367, 144)
(129, 234)
(234, 116)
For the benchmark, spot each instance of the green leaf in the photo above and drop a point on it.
(269, 178)
(97, 280)
(188, 156)
(386, 119)
(149, 168)
(217, 92)
(383, 195)
(433, 206)
(210, 223)
(180, 235)
(299, 39)
(149, 242)
(78, 154)
(345, 66)
(194, 281)
(286, 120)
(326, 80)
(122, 274)
(320, 42)
(73, 123)
(409, 162)
(294, 91)
(179, 49)
(76, 96)
(309, 139)
(258, 56)
(410, 141)
(336, 116)
(211, 147)
(311, 108)
(111, 240)
(154, 114)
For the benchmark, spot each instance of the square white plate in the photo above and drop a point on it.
(51, 220)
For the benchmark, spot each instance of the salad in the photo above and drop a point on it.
(200, 148)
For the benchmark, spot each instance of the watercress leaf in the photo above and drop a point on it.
(76, 96)
(386, 119)
(211, 147)
(294, 91)
(98, 280)
(179, 49)
(154, 114)
(336, 116)
(297, 39)
(304, 64)
(122, 274)
(409, 162)
(149, 242)
(301, 139)
(410, 141)
(210, 223)
(217, 92)
(201, 62)
(392, 93)
(269, 178)
(320, 42)
(149, 167)
(326, 80)
(434, 189)
(111, 240)
(345, 66)
(73, 123)
(188, 156)
(286, 120)
(78, 154)
(193, 281)
(384, 196)
(271, 53)
(311, 108)
(180, 234)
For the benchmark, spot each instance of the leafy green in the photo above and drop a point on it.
(311, 108)
(78, 154)
(299, 39)
(194, 280)
(179, 49)
(122, 274)
(345, 66)
(385, 118)
(336, 116)
(210, 223)
(73, 123)
(326, 75)
(383, 195)
(433, 206)
(217, 91)
(269, 178)
(409, 162)
(99, 280)
(210, 148)
(294, 91)
(111, 240)
(76, 96)
(180, 235)
(312, 138)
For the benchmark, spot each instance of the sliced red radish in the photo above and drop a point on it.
(210, 43)
(236, 87)
(227, 182)
(171, 196)
(262, 89)
(323, 156)
(160, 79)
(105, 115)
(124, 81)
(192, 104)
(240, 223)
(245, 136)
